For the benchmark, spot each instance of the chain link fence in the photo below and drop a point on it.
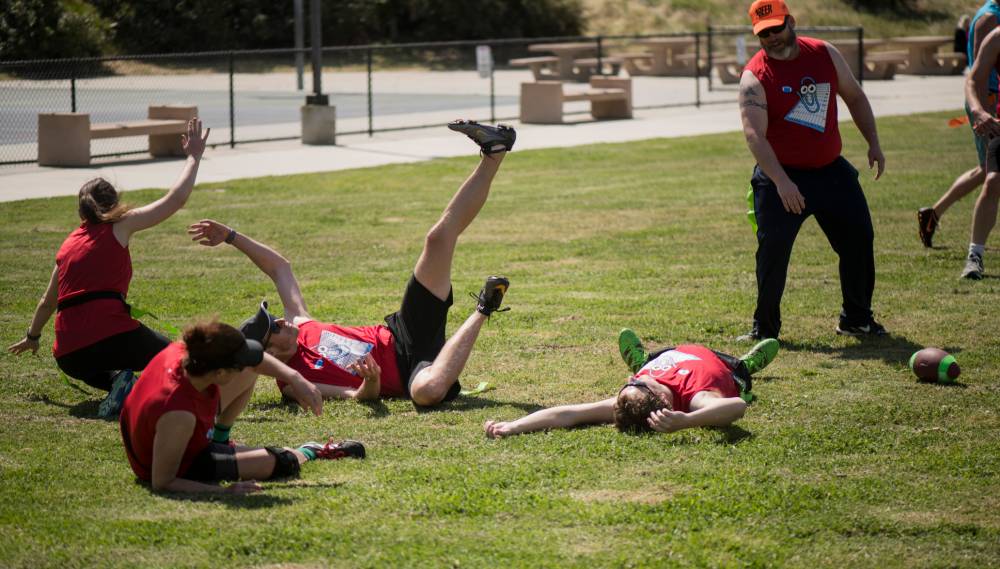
(254, 96)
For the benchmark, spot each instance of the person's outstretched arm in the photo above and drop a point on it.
(560, 417)
(210, 233)
(46, 306)
(753, 112)
(308, 396)
(861, 110)
(152, 214)
(173, 431)
(707, 410)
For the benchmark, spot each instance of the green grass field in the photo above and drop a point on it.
(843, 461)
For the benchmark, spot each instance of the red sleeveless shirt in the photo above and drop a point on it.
(164, 387)
(801, 105)
(91, 260)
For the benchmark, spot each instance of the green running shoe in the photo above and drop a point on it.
(760, 355)
(630, 347)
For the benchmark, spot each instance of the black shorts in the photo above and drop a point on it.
(214, 464)
(419, 330)
(97, 363)
(992, 160)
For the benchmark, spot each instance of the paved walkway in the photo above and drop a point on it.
(904, 95)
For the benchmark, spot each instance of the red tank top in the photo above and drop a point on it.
(90, 260)
(326, 350)
(688, 370)
(165, 387)
(801, 105)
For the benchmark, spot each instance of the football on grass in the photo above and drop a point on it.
(934, 364)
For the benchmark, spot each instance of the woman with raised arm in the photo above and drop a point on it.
(96, 339)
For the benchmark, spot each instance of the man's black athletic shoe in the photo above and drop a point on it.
(927, 222)
(491, 295)
(333, 451)
(491, 139)
(872, 328)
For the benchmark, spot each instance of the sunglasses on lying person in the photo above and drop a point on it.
(767, 32)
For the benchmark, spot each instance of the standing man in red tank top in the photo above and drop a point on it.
(788, 103)
(96, 339)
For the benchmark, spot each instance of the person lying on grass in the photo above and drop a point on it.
(175, 423)
(671, 389)
(409, 356)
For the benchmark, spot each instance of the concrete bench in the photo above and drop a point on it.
(882, 65)
(64, 138)
(588, 66)
(636, 63)
(952, 60)
(609, 97)
(541, 67)
(728, 69)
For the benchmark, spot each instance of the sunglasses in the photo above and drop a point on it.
(638, 385)
(768, 32)
(275, 328)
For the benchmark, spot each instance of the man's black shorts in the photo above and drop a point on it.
(419, 329)
(992, 158)
(214, 464)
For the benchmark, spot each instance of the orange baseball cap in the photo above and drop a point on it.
(767, 14)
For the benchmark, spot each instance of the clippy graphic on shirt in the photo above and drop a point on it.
(340, 350)
(814, 100)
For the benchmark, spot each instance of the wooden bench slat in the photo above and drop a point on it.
(596, 95)
(137, 128)
(593, 60)
(533, 60)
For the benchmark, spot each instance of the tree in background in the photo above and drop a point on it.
(45, 29)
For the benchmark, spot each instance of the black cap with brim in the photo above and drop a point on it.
(258, 327)
(249, 355)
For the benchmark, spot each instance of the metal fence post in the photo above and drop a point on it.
(371, 126)
(232, 103)
(861, 55)
(697, 70)
(600, 52)
(493, 107)
(710, 58)
(72, 86)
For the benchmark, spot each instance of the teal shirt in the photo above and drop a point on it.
(989, 8)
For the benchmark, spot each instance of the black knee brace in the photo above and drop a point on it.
(286, 464)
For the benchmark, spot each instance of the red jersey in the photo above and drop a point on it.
(91, 260)
(688, 370)
(326, 350)
(164, 387)
(801, 105)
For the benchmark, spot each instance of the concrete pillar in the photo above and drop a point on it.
(319, 124)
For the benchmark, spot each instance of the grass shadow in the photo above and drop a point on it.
(732, 435)
(470, 402)
(377, 409)
(82, 410)
(892, 349)
(254, 501)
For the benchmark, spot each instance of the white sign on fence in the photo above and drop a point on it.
(484, 60)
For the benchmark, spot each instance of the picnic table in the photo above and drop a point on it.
(666, 56)
(566, 69)
(878, 65)
(923, 57)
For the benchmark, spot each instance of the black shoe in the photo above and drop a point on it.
(491, 295)
(491, 139)
(927, 222)
(974, 268)
(871, 328)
